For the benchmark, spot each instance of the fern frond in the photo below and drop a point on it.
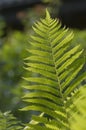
(9, 122)
(78, 121)
(55, 67)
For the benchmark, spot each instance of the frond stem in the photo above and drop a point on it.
(59, 83)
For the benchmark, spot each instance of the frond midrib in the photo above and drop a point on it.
(58, 80)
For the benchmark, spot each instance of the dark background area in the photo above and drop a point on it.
(13, 11)
(72, 13)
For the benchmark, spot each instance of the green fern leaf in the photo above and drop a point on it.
(78, 121)
(9, 122)
(55, 67)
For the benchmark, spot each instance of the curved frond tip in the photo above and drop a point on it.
(47, 14)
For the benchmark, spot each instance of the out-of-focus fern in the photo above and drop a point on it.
(9, 122)
(57, 66)
(79, 119)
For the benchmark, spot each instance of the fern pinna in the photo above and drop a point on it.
(55, 67)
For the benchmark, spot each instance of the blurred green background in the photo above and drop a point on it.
(13, 44)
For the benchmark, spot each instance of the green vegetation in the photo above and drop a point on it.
(57, 66)
(55, 89)
(9, 122)
(79, 119)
